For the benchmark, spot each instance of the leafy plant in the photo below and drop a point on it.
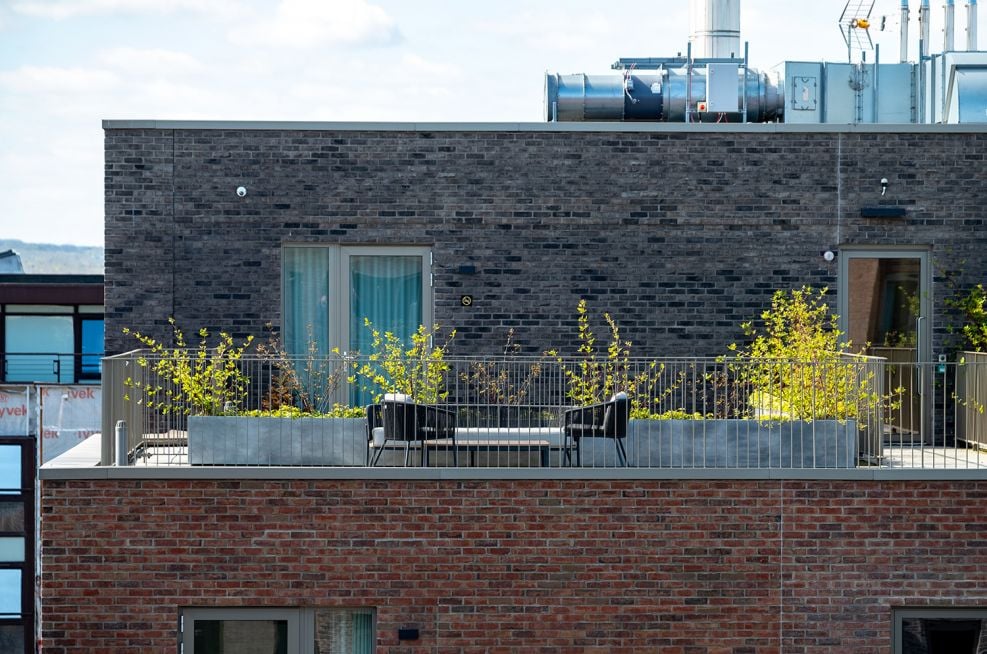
(418, 371)
(795, 366)
(205, 380)
(973, 308)
(500, 382)
(596, 376)
(337, 411)
(308, 383)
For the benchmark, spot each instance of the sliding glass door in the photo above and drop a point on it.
(330, 292)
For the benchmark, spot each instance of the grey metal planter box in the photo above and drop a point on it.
(731, 444)
(247, 441)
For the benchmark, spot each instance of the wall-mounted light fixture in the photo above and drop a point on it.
(828, 255)
(241, 191)
(884, 186)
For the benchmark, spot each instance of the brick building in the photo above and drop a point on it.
(682, 233)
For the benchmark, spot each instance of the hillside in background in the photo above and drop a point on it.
(45, 258)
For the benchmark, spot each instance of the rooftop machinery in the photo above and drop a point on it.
(713, 83)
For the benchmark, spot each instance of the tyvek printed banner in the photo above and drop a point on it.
(69, 415)
(15, 415)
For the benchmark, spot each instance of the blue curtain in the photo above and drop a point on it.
(387, 290)
(306, 301)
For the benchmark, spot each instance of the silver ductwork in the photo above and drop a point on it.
(714, 28)
(662, 95)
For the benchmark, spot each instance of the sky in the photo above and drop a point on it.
(66, 65)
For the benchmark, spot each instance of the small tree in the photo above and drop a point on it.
(205, 380)
(973, 308)
(596, 376)
(418, 371)
(795, 366)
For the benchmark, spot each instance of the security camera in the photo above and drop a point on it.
(241, 191)
(884, 185)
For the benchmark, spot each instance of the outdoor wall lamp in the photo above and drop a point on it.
(884, 186)
(828, 255)
(241, 191)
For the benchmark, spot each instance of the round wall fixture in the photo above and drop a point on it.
(829, 255)
(241, 191)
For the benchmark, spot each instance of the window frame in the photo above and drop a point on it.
(900, 614)
(78, 313)
(301, 624)
(24, 495)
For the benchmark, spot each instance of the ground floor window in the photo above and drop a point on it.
(277, 631)
(940, 631)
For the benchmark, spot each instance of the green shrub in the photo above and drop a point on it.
(972, 308)
(596, 376)
(418, 371)
(795, 366)
(337, 411)
(205, 380)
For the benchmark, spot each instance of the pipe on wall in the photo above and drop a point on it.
(971, 25)
(904, 31)
(948, 40)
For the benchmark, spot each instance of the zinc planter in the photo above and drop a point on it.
(248, 441)
(731, 444)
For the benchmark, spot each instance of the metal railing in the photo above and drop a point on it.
(49, 368)
(846, 412)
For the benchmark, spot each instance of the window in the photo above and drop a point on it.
(329, 293)
(277, 631)
(939, 631)
(51, 343)
(16, 545)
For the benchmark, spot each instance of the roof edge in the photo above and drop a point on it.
(727, 128)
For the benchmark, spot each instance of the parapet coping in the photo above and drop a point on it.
(513, 474)
(82, 462)
(563, 127)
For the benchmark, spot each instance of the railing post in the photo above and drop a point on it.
(120, 433)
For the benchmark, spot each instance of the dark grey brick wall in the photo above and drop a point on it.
(681, 236)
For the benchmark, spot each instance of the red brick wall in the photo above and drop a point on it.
(687, 567)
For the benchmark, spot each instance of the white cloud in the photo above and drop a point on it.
(555, 31)
(61, 9)
(44, 79)
(134, 60)
(308, 23)
(413, 63)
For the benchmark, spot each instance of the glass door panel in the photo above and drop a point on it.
(884, 304)
(386, 290)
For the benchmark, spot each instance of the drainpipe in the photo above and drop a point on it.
(948, 42)
(923, 24)
(904, 31)
(971, 25)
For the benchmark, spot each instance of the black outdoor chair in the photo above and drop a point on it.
(603, 420)
(398, 420)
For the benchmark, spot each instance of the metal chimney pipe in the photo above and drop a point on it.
(923, 24)
(971, 25)
(948, 40)
(904, 31)
(714, 28)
